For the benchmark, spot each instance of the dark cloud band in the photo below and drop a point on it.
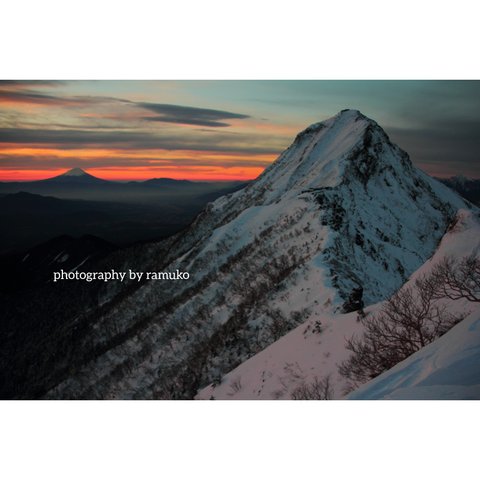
(447, 147)
(127, 140)
(46, 162)
(204, 117)
(166, 113)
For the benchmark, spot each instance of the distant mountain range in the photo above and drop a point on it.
(33, 219)
(80, 185)
(468, 188)
(77, 203)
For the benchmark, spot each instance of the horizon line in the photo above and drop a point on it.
(56, 173)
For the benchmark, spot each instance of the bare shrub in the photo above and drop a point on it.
(408, 321)
(317, 390)
(456, 278)
(236, 385)
(317, 327)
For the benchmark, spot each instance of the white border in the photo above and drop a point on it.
(214, 39)
(239, 440)
(242, 40)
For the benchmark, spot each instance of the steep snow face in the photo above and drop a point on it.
(342, 207)
(317, 158)
(314, 350)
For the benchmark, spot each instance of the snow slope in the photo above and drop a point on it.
(447, 369)
(303, 355)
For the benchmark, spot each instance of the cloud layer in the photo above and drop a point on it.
(226, 127)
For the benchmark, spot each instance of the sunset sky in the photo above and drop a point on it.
(220, 130)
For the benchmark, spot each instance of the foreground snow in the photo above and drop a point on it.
(447, 369)
(298, 358)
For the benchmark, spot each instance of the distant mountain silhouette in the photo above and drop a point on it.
(75, 176)
(169, 182)
(468, 188)
(78, 184)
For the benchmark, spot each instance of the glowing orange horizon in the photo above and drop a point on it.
(139, 173)
(177, 164)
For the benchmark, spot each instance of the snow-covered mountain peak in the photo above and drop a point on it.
(379, 210)
(75, 176)
(348, 147)
(345, 116)
(75, 172)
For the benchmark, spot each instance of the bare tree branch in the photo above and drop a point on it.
(408, 321)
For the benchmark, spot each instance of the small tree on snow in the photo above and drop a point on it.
(319, 389)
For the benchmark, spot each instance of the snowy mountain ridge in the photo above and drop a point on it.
(341, 208)
(316, 348)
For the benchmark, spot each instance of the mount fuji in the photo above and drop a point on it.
(75, 176)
